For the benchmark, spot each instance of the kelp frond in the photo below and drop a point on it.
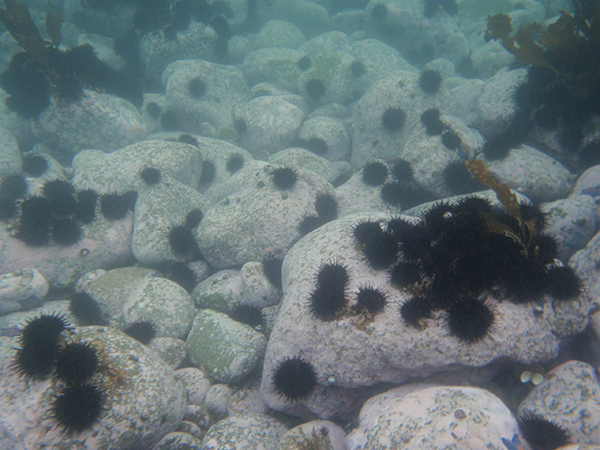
(18, 22)
(527, 231)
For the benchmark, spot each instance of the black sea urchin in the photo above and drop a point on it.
(182, 242)
(295, 378)
(150, 175)
(393, 119)
(414, 310)
(329, 297)
(13, 186)
(86, 205)
(432, 122)
(315, 88)
(540, 433)
(326, 207)
(86, 310)
(76, 362)
(430, 81)
(143, 331)
(375, 173)
(66, 231)
(470, 319)
(234, 163)
(193, 218)
(39, 345)
(197, 87)
(284, 178)
(371, 299)
(563, 283)
(78, 407)
(181, 274)
(381, 250)
(34, 165)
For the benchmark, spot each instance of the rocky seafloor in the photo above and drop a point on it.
(210, 210)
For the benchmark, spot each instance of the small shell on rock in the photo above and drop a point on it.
(537, 379)
(526, 376)
(460, 414)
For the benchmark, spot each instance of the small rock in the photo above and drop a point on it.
(570, 397)
(257, 289)
(321, 434)
(425, 419)
(571, 222)
(179, 440)
(225, 349)
(164, 303)
(244, 431)
(10, 156)
(221, 291)
(196, 383)
(20, 287)
(217, 398)
(171, 350)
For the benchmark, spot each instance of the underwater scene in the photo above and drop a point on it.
(299, 224)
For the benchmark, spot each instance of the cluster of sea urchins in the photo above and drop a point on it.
(58, 214)
(458, 252)
(44, 350)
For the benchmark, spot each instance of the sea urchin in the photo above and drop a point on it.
(295, 378)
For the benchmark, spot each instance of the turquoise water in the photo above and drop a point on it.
(299, 224)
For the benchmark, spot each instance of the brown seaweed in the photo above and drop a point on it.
(526, 233)
(18, 22)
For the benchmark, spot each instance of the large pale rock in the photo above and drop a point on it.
(244, 431)
(260, 222)
(332, 69)
(341, 350)
(164, 303)
(322, 433)
(435, 418)
(330, 170)
(533, 173)
(105, 243)
(400, 91)
(98, 121)
(197, 41)
(271, 124)
(158, 209)
(143, 399)
(418, 36)
(572, 223)
(355, 196)
(224, 87)
(279, 33)
(221, 291)
(273, 65)
(111, 288)
(333, 131)
(119, 171)
(496, 105)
